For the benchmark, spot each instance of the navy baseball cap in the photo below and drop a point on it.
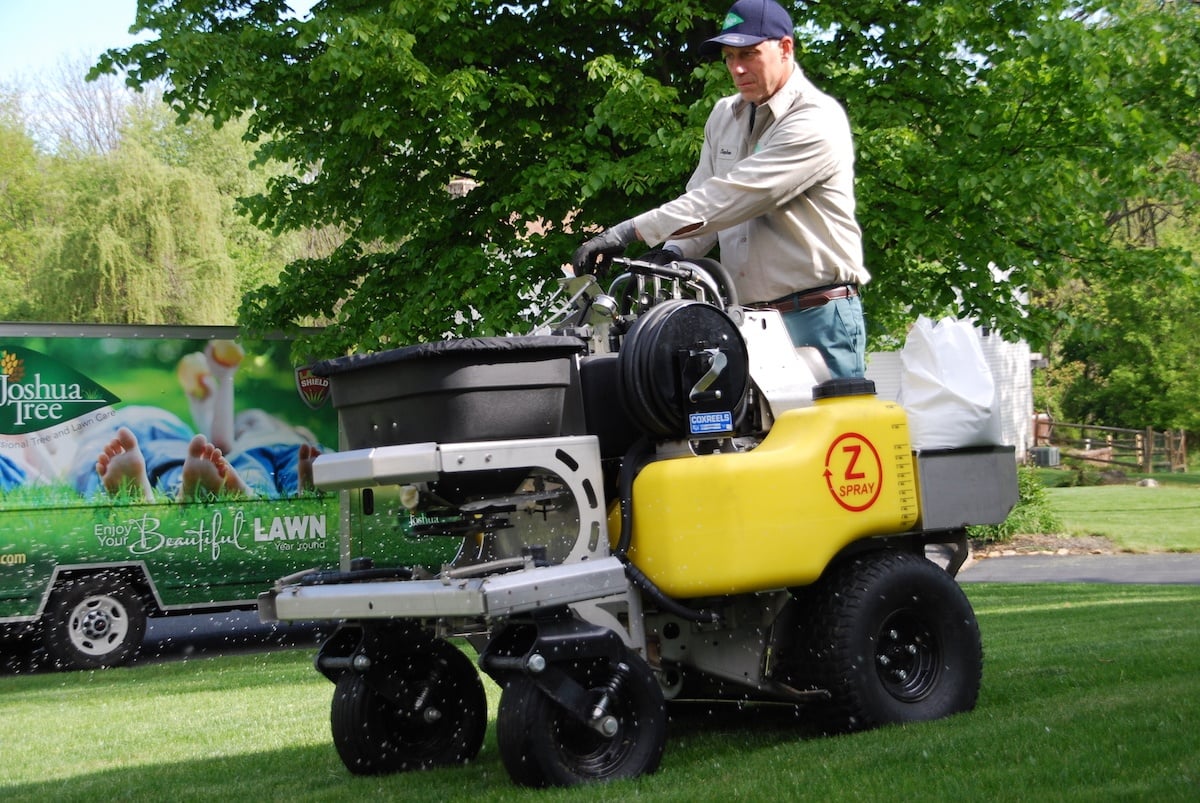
(748, 23)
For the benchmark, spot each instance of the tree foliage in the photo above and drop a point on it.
(993, 139)
(139, 242)
(1130, 361)
(110, 212)
(1127, 358)
(379, 107)
(221, 161)
(1002, 138)
(20, 191)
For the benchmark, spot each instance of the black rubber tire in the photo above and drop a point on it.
(895, 640)
(94, 622)
(21, 646)
(541, 744)
(376, 734)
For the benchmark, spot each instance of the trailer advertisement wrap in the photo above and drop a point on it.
(156, 470)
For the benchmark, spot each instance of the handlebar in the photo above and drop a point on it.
(707, 275)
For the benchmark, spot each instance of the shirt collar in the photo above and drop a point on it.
(795, 87)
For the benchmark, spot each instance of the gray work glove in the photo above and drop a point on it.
(597, 251)
(662, 256)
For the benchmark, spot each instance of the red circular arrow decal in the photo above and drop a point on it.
(853, 472)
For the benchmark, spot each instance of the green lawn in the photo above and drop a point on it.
(1136, 519)
(1090, 693)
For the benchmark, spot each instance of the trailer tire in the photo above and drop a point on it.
(377, 733)
(542, 744)
(895, 640)
(94, 622)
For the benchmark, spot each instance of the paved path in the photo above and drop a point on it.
(215, 634)
(1168, 568)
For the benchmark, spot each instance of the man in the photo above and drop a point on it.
(775, 188)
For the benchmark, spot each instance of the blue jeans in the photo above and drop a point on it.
(837, 330)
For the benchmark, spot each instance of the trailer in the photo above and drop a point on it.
(156, 471)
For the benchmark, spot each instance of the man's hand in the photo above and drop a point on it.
(662, 256)
(599, 249)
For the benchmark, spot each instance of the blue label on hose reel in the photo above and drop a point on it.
(710, 423)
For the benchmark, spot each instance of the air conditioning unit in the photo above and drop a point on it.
(1046, 456)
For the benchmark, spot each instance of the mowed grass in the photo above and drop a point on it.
(1135, 519)
(1090, 693)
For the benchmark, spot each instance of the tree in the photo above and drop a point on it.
(999, 137)
(106, 198)
(21, 183)
(1004, 137)
(80, 117)
(1125, 358)
(1129, 361)
(135, 241)
(378, 113)
(221, 158)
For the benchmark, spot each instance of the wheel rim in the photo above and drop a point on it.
(98, 625)
(592, 754)
(425, 724)
(908, 656)
(427, 717)
(430, 710)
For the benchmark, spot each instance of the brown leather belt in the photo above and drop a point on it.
(809, 298)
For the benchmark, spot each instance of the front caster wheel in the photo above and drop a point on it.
(426, 708)
(544, 744)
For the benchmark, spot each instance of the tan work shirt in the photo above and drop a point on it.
(778, 199)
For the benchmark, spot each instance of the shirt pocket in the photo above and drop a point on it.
(726, 155)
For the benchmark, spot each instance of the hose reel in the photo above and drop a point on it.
(683, 371)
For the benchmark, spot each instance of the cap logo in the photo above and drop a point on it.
(731, 20)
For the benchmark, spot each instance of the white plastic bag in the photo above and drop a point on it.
(946, 387)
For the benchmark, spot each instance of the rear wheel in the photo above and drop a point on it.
(428, 708)
(894, 639)
(543, 744)
(94, 622)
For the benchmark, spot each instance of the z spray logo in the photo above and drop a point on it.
(37, 392)
(854, 472)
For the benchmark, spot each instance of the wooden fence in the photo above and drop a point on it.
(1143, 450)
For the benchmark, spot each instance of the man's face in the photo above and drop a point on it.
(761, 70)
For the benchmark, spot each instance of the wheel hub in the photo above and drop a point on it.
(98, 623)
(907, 656)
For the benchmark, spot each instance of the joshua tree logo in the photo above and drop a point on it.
(37, 392)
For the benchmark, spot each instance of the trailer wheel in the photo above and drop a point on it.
(94, 622)
(432, 711)
(896, 640)
(543, 744)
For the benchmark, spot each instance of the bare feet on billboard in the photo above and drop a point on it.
(122, 468)
(304, 461)
(206, 469)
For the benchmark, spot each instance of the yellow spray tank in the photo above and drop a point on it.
(774, 516)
